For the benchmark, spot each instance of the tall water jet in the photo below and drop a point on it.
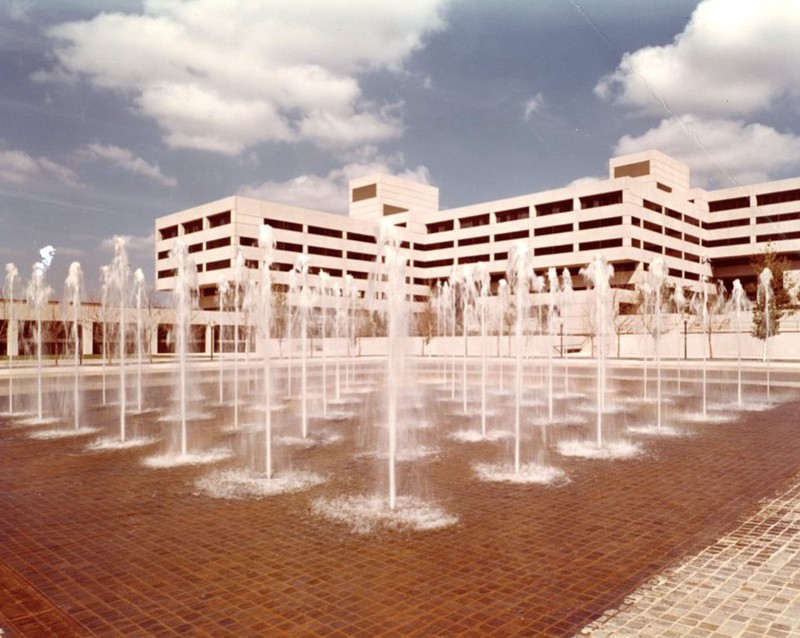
(599, 274)
(105, 285)
(502, 297)
(482, 283)
(350, 294)
(139, 291)
(118, 273)
(700, 306)
(565, 302)
(183, 295)
(266, 242)
(72, 296)
(304, 307)
(765, 300)
(37, 295)
(324, 293)
(519, 276)
(238, 283)
(553, 321)
(740, 303)
(657, 275)
(223, 293)
(9, 292)
(466, 282)
(680, 302)
(394, 265)
(291, 313)
(453, 283)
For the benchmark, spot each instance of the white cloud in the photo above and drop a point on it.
(125, 159)
(18, 167)
(729, 152)
(330, 192)
(733, 59)
(531, 106)
(225, 76)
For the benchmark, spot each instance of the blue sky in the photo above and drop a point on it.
(113, 113)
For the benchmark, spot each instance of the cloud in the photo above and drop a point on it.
(331, 192)
(733, 59)
(226, 76)
(531, 106)
(18, 167)
(726, 151)
(126, 160)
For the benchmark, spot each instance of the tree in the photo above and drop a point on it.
(773, 297)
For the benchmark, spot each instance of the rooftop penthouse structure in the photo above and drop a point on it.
(645, 208)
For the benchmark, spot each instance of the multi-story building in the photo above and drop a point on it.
(645, 208)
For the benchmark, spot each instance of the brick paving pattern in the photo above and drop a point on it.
(746, 584)
(95, 544)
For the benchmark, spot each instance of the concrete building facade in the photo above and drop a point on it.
(645, 208)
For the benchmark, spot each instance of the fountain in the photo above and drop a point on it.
(598, 274)
(395, 504)
(37, 295)
(10, 292)
(138, 291)
(118, 280)
(72, 295)
(765, 300)
(740, 303)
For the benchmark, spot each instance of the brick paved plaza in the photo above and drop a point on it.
(95, 543)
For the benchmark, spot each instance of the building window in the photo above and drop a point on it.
(553, 250)
(169, 232)
(325, 232)
(163, 254)
(325, 252)
(474, 221)
(766, 199)
(169, 272)
(601, 223)
(220, 219)
(651, 205)
(663, 187)
(195, 248)
(436, 246)
(656, 228)
(512, 215)
(501, 256)
(365, 192)
(440, 227)
(248, 241)
(194, 226)
(600, 244)
(785, 217)
(553, 208)
(728, 204)
(673, 213)
(601, 199)
(728, 223)
(367, 239)
(288, 246)
(360, 256)
(218, 265)
(281, 224)
(471, 241)
(218, 243)
(554, 230)
(517, 234)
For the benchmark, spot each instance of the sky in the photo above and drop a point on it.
(115, 112)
